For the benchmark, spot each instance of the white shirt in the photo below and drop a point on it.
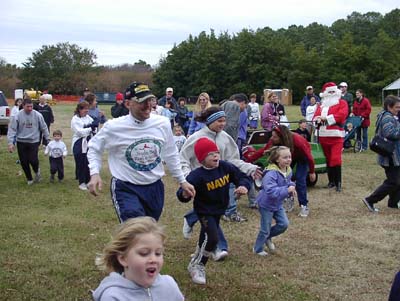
(56, 149)
(136, 149)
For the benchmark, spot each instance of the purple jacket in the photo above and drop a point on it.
(268, 117)
(274, 188)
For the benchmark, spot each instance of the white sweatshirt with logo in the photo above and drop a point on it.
(136, 149)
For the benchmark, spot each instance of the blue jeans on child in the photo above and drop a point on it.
(266, 231)
(232, 207)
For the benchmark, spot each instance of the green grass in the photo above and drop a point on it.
(50, 234)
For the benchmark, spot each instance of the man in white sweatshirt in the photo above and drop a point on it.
(137, 145)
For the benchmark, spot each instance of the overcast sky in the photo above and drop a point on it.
(123, 31)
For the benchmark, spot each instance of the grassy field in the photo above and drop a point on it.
(50, 234)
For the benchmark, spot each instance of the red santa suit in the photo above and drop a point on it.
(330, 117)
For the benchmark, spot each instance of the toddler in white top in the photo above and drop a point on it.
(57, 151)
(179, 138)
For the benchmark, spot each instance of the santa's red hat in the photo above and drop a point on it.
(328, 87)
(203, 147)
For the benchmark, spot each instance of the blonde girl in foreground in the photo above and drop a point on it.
(134, 258)
(276, 187)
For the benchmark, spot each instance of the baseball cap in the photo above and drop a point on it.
(138, 92)
(343, 84)
(169, 89)
(309, 87)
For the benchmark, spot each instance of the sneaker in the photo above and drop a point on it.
(38, 177)
(262, 253)
(270, 245)
(51, 178)
(83, 186)
(60, 180)
(198, 273)
(30, 182)
(304, 211)
(219, 255)
(186, 230)
(370, 206)
(225, 218)
(236, 217)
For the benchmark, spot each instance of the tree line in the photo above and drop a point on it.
(361, 50)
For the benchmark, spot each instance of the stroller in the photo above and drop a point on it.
(351, 126)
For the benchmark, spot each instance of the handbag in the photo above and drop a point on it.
(381, 145)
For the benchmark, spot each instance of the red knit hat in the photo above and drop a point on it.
(119, 96)
(203, 147)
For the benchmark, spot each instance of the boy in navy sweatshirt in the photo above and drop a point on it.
(211, 182)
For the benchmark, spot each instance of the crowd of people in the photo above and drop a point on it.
(203, 152)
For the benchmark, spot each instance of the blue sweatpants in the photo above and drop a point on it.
(132, 200)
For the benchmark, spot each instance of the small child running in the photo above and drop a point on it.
(134, 258)
(57, 151)
(276, 187)
(211, 181)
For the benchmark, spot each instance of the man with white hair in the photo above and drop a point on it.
(329, 118)
(347, 96)
(169, 92)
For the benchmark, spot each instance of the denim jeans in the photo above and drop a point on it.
(266, 231)
(301, 182)
(192, 218)
(364, 137)
(252, 194)
(232, 207)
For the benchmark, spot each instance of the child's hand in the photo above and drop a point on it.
(258, 174)
(186, 194)
(292, 190)
(241, 190)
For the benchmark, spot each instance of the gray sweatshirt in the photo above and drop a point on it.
(116, 287)
(232, 111)
(27, 127)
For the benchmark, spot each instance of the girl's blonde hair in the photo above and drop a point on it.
(124, 238)
(274, 153)
(197, 107)
(269, 96)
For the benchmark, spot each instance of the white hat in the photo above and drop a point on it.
(309, 87)
(169, 89)
(343, 84)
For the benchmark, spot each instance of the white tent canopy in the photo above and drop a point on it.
(393, 86)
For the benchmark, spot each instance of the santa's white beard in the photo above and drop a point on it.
(330, 100)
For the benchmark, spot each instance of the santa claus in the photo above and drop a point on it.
(330, 118)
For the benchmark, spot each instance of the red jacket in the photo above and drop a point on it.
(363, 108)
(301, 151)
